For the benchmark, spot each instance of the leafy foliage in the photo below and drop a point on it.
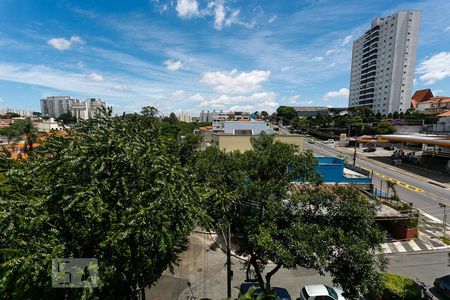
(113, 189)
(286, 112)
(396, 287)
(330, 229)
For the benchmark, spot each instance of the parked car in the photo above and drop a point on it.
(311, 141)
(322, 292)
(329, 142)
(369, 149)
(443, 285)
(390, 148)
(282, 293)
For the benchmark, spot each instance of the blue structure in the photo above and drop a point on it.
(332, 171)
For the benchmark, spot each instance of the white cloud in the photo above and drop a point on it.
(96, 77)
(331, 51)
(438, 92)
(120, 87)
(219, 16)
(347, 40)
(414, 81)
(332, 65)
(307, 102)
(435, 68)
(447, 29)
(271, 20)
(63, 44)
(187, 8)
(1, 99)
(196, 98)
(173, 65)
(318, 58)
(257, 101)
(233, 83)
(344, 92)
(284, 69)
(177, 93)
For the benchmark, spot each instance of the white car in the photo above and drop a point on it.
(321, 292)
(329, 142)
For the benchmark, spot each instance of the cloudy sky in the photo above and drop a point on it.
(189, 55)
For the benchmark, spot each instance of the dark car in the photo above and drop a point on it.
(443, 285)
(369, 149)
(282, 293)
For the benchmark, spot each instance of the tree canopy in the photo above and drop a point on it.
(327, 228)
(113, 189)
(287, 112)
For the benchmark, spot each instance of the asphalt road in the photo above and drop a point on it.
(412, 188)
(204, 268)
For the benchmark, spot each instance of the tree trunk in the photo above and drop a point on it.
(254, 263)
(269, 276)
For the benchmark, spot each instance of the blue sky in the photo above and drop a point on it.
(189, 55)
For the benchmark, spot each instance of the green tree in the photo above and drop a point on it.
(149, 111)
(21, 130)
(385, 127)
(66, 118)
(286, 112)
(111, 189)
(396, 115)
(264, 114)
(329, 229)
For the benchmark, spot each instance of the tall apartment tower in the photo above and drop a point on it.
(383, 63)
(55, 106)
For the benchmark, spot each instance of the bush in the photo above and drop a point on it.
(396, 287)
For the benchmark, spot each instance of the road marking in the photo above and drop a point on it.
(398, 182)
(414, 246)
(386, 248)
(399, 246)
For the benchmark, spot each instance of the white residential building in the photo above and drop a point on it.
(383, 62)
(218, 121)
(86, 109)
(185, 117)
(54, 106)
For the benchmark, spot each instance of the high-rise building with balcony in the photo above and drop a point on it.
(54, 106)
(383, 63)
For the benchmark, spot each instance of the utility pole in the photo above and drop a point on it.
(354, 153)
(229, 272)
(444, 219)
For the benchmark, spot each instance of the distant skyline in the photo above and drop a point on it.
(190, 55)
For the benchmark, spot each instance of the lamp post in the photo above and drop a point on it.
(444, 219)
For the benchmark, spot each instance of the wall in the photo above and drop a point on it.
(228, 142)
(256, 126)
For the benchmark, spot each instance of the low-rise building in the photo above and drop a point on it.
(250, 127)
(311, 111)
(242, 142)
(421, 96)
(434, 106)
(49, 125)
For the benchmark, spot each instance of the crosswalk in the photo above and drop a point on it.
(418, 244)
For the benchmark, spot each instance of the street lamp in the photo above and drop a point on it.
(444, 219)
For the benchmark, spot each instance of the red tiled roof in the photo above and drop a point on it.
(445, 114)
(421, 96)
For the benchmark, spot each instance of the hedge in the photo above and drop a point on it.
(396, 287)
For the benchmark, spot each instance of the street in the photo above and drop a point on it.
(204, 268)
(427, 200)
